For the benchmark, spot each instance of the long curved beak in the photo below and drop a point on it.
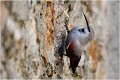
(88, 27)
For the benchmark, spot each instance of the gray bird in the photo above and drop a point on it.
(76, 41)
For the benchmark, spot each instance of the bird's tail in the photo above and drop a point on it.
(74, 63)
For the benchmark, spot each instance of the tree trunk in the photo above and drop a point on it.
(33, 36)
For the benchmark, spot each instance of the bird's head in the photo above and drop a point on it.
(85, 34)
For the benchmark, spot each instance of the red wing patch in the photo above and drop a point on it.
(71, 49)
(73, 59)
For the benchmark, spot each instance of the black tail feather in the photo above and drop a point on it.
(74, 66)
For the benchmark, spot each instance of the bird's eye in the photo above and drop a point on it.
(82, 30)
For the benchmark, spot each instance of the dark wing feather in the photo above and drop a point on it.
(74, 63)
(73, 59)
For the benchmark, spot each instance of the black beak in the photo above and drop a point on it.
(87, 23)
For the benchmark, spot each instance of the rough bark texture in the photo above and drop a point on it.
(33, 37)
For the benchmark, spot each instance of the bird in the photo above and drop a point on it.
(76, 41)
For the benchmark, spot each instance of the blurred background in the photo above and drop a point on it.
(33, 36)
